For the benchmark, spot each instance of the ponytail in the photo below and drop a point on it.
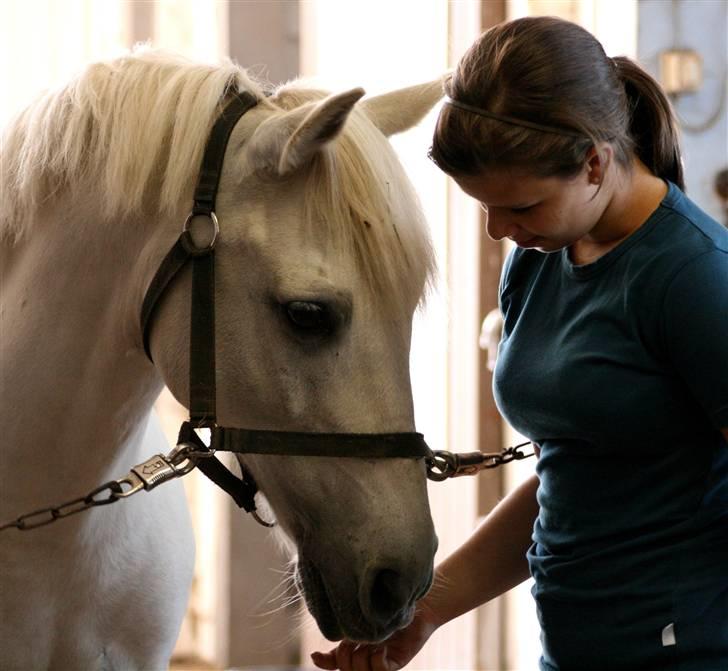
(555, 80)
(652, 126)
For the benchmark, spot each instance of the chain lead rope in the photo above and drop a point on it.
(147, 475)
(443, 464)
(184, 458)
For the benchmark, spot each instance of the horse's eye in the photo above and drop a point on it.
(308, 317)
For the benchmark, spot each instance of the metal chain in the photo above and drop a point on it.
(147, 475)
(443, 464)
(39, 518)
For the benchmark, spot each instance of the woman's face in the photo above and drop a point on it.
(545, 213)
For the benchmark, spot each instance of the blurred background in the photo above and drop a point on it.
(242, 614)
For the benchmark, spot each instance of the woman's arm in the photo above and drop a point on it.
(492, 561)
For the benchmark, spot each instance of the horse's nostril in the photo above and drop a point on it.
(388, 595)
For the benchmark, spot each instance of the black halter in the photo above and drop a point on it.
(202, 349)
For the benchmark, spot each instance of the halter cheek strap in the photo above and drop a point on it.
(184, 248)
(202, 385)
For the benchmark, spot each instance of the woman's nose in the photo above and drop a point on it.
(498, 226)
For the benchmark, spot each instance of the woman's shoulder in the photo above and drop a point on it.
(688, 226)
(678, 235)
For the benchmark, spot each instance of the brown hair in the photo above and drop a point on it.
(547, 71)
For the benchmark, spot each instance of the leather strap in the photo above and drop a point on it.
(242, 491)
(203, 411)
(202, 322)
(176, 258)
(246, 441)
(202, 341)
(204, 204)
(211, 168)
(360, 445)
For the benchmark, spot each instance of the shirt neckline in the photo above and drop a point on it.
(589, 270)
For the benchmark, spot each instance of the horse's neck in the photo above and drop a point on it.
(75, 390)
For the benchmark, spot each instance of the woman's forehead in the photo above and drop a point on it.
(508, 187)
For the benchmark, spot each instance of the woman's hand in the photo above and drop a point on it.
(460, 584)
(389, 655)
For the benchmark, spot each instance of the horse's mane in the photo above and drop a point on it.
(125, 124)
(143, 120)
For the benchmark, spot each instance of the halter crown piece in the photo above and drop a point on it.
(513, 121)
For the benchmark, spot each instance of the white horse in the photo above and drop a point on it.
(315, 210)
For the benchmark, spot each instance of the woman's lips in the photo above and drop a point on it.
(526, 242)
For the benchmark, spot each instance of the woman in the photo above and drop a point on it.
(614, 361)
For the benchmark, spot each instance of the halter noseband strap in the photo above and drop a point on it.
(202, 349)
(362, 445)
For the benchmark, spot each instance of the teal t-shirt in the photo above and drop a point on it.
(619, 370)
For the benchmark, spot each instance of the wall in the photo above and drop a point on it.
(701, 25)
(262, 626)
(264, 38)
(44, 43)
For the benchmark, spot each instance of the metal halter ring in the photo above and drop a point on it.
(189, 242)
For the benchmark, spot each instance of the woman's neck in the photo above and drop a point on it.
(632, 196)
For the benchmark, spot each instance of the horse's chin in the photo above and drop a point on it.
(311, 584)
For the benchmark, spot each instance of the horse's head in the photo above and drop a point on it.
(322, 259)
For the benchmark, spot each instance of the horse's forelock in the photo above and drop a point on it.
(360, 192)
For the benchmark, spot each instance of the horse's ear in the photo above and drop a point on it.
(399, 110)
(287, 142)
(321, 125)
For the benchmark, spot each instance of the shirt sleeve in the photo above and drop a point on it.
(695, 328)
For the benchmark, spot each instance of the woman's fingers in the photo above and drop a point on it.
(345, 655)
(348, 656)
(361, 658)
(338, 658)
(325, 660)
(380, 662)
(390, 655)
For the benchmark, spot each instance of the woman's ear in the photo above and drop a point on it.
(597, 160)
